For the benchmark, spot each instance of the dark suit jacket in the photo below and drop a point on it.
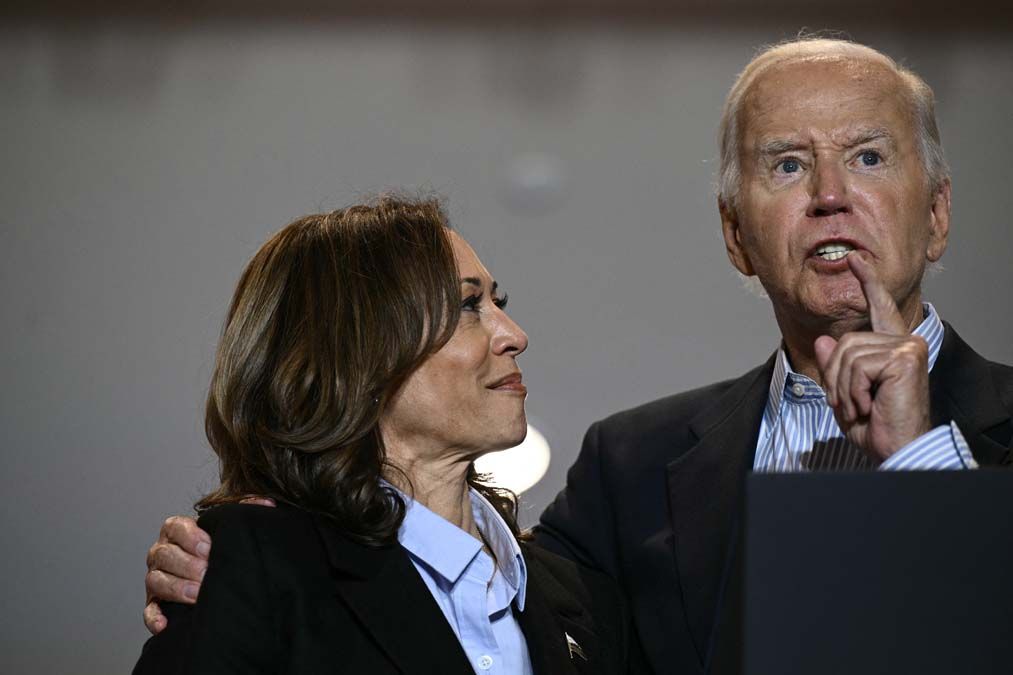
(286, 592)
(653, 498)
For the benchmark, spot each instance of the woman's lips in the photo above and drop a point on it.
(510, 384)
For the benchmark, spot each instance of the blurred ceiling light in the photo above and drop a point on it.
(535, 183)
(520, 467)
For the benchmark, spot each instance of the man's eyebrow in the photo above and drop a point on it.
(863, 136)
(475, 281)
(778, 145)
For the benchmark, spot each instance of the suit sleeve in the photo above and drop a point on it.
(579, 524)
(232, 628)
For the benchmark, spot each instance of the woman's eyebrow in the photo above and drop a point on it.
(475, 281)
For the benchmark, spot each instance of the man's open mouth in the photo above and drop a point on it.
(834, 251)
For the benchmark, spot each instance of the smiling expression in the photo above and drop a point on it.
(829, 164)
(468, 397)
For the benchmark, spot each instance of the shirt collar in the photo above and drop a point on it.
(448, 550)
(503, 543)
(785, 380)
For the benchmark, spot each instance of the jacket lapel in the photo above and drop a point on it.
(706, 484)
(705, 488)
(550, 614)
(384, 590)
(961, 389)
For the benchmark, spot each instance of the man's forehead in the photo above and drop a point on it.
(813, 78)
(854, 96)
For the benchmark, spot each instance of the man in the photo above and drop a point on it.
(834, 194)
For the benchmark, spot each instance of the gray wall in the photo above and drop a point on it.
(143, 166)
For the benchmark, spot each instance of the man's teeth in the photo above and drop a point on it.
(833, 252)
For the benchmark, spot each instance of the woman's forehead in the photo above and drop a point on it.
(468, 263)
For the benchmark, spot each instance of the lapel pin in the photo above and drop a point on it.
(575, 649)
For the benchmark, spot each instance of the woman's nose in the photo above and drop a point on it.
(509, 337)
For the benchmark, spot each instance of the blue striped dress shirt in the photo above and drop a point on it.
(478, 594)
(799, 431)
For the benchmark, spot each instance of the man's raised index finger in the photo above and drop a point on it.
(883, 312)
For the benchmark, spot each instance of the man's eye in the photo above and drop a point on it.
(871, 158)
(501, 302)
(788, 165)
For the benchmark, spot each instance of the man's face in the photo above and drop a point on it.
(829, 164)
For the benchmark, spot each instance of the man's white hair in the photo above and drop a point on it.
(919, 94)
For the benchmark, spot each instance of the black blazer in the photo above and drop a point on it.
(653, 498)
(285, 592)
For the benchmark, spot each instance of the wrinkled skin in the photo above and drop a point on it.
(828, 154)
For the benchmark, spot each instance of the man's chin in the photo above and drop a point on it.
(845, 316)
(833, 316)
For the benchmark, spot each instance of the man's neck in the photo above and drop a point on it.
(799, 337)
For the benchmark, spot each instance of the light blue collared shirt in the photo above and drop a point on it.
(477, 594)
(799, 431)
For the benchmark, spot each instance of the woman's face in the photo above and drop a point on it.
(467, 398)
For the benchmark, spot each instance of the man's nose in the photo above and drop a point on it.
(828, 190)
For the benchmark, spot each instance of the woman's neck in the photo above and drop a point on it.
(441, 486)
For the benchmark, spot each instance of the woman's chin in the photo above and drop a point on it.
(505, 439)
(520, 432)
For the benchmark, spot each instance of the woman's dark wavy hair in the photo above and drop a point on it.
(329, 318)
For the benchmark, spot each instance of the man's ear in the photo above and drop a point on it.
(733, 239)
(939, 222)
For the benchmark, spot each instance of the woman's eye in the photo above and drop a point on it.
(789, 165)
(473, 303)
(871, 158)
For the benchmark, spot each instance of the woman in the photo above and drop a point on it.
(365, 363)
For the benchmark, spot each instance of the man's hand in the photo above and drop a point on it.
(176, 565)
(877, 382)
